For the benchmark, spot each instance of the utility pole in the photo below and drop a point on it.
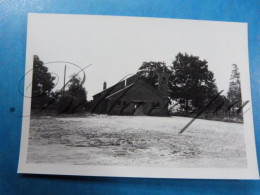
(64, 79)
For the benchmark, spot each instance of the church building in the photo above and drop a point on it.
(133, 96)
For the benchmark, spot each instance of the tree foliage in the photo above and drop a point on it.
(234, 91)
(74, 99)
(191, 81)
(76, 89)
(42, 83)
(150, 69)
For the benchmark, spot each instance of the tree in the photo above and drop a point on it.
(74, 99)
(234, 91)
(191, 82)
(149, 71)
(42, 83)
(76, 89)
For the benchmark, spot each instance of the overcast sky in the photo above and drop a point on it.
(117, 46)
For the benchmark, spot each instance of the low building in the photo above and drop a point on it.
(133, 96)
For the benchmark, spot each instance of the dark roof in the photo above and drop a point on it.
(126, 87)
(118, 86)
(144, 83)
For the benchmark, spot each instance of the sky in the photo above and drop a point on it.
(117, 46)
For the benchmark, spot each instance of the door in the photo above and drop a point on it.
(138, 108)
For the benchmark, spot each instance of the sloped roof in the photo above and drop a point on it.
(125, 88)
(128, 81)
(109, 88)
(144, 82)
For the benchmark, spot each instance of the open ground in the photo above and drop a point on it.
(136, 141)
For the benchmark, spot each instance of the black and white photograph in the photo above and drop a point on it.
(137, 97)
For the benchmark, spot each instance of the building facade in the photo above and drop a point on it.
(133, 96)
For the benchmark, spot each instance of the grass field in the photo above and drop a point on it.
(136, 141)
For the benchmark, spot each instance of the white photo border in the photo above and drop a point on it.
(251, 172)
